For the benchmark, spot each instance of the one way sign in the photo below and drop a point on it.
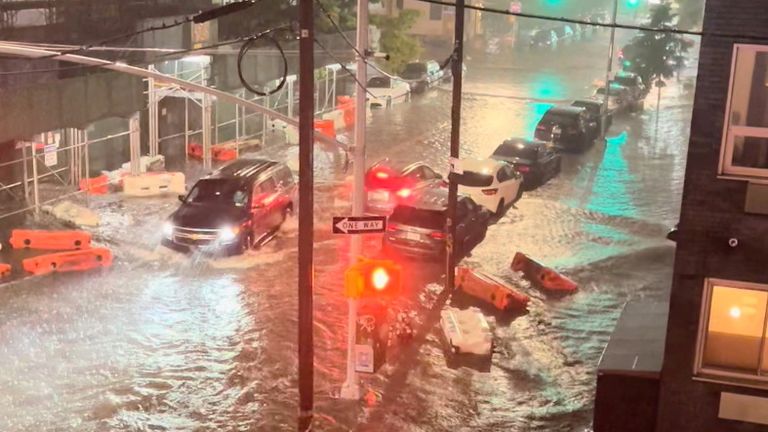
(359, 224)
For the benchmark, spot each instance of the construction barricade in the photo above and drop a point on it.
(326, 127)
(195, 150)
(542, 276)
(154, 183)
(5, 270)
(82, 260)
(95, 186)
(50, 240)
(490, 289)
(347, 105)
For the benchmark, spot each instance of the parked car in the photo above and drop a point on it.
(388, 183)
(490, 183)
(619, 98)
(566, 127)
(634, 83)
(387, 91)
(543, 39)
(565, 33)
(427, 74)
(535, 160)
(597, 113)
(234, 209)
(418, 229)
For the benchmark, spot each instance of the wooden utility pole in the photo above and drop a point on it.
(306, 207)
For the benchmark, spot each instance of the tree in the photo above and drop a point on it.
(691, 14)
(656, 56)
(394, 41)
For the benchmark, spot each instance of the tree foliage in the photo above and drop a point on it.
(656, 56)
(401, 47)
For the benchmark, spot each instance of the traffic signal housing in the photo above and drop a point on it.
(372, 278)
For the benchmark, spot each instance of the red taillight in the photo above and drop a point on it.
(392, 227)
(490, 191)
(437, 235)
(404, 193)
(523, 168)
(382, 175)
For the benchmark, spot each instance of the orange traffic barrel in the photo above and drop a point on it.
(326, 127)
(50, 240)
(541, 276)
(95, 186)
(5, 270)
(490, 289)
(195, 150)
(81, 260)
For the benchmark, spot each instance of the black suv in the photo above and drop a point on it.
(567, 127)
(418, 229)
(234, 209)
(535, 160)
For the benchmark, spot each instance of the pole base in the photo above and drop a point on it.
(350, 391)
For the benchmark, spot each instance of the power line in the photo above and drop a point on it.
(346, 69)
(606, 25)
(198, 18)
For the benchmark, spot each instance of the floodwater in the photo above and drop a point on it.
(169, 342)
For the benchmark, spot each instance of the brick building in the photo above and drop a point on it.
(712, 374)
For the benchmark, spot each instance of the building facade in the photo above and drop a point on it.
(714, 376)
(435, 22)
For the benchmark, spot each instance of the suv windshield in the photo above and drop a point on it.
(414, 70)
(472, 179)
(218, 192)
(515, 151)
(592, 108)
(378, 82)
(558, 119)
(429, 219)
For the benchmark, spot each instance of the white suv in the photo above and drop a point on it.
(490, 183)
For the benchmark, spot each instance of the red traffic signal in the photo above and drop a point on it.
(372, 278)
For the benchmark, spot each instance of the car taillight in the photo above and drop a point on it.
(490, 191)
(523, 168)
(437, 235)
(404, 193)
(382, 175)
(392, 227)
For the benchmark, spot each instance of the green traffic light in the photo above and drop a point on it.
(633, 3)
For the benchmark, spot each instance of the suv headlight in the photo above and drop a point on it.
(227, 234)
(168, 230)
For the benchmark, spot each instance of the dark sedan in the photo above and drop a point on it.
(418, 229)
(535, 160)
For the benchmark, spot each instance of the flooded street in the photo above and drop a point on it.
(169, 342)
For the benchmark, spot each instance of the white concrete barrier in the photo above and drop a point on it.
(152, 184)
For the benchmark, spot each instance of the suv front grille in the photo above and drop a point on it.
(194, 236)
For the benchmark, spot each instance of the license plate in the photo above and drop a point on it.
(413, 236)
(380, 195)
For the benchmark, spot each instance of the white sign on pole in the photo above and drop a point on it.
(456, 167)
(51, 155)
(364, 358)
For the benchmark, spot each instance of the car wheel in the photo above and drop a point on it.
(500, 208)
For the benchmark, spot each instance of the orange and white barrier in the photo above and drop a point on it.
(5, 270)
(50, 240)
(95, 186)
(82, 260)
(542, 276)
(154, 183)
(337, 117)
(490, 289)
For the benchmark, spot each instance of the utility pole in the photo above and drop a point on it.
(611, 48)
(306, 210)
(453, 187)
(351, 389)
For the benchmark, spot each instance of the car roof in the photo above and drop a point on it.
(397, 165)
(521, 143)
(244, 169)
(565, 109)
(485, 166)
(588, 101)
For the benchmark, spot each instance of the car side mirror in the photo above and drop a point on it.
(181, 198)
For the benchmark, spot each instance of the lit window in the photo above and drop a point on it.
(732, 337)
(744, 151)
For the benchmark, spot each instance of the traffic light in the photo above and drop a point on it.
(633, 3)
(372, 278)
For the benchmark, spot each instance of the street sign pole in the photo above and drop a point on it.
(306, 210)
(455, 138)
(351, 389)
(604, 122)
